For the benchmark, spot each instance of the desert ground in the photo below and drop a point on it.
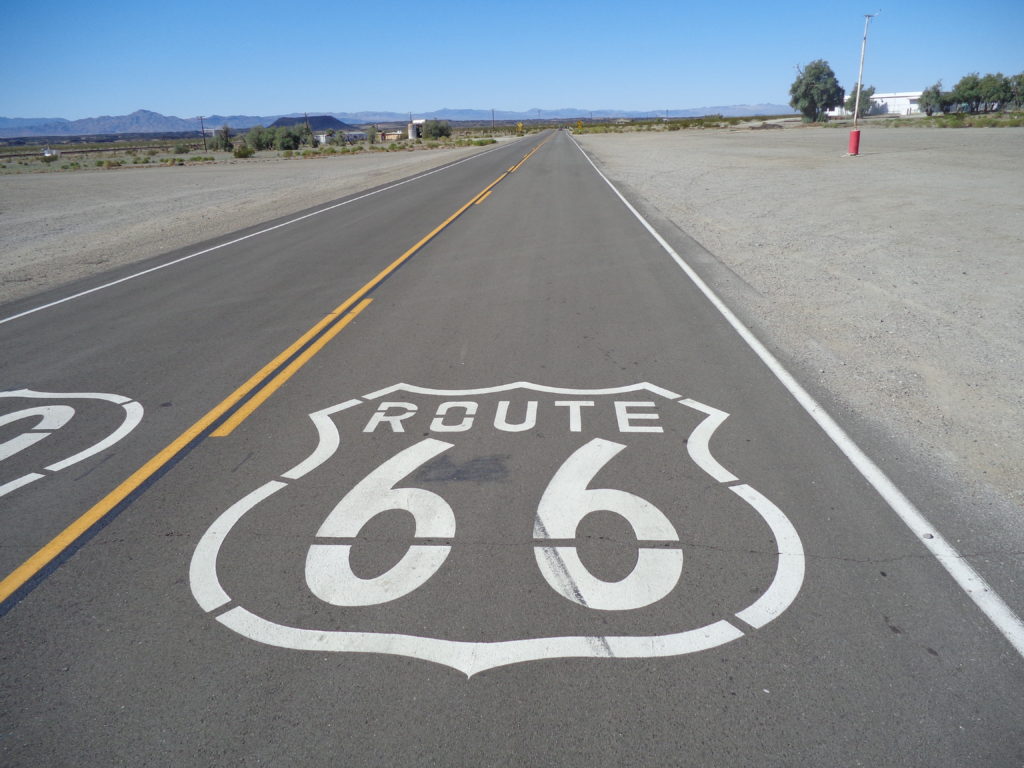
(891, 283)
(60, 226)
(893, 280)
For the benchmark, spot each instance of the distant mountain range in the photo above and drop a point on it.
(144, 121)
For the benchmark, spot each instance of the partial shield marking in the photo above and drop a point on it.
(53, 418)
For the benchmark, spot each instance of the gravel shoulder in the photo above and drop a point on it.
(59, 227)
(893, 279)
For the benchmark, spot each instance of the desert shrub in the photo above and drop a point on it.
(49, 159)
(99, 163)
(181, 148)
(112, 164)
(287, 153)
(152, 152)
(436, 129)
(244, 150)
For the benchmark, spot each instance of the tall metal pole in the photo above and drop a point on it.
(202, 129)
(854, 146)
(860, 72)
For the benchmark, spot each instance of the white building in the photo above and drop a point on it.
(900, 103)
(415, 130)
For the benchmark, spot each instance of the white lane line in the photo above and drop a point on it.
(986, 598)
(241, 239)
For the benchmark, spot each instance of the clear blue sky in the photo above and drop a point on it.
(84, 59)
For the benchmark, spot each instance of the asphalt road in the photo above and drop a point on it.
(370, 490)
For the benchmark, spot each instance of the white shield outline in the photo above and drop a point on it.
(472, 657)
(132, 416)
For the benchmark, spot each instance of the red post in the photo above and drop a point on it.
(855, 141)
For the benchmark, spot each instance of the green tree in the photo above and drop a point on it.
(815, 91)
(935, 99)
(287, 137)
(967, 92)
(436, 129)
(372, 134)
(260, 138)
(222, 139)
(994, 91)
(865, 100)
(1016, 83)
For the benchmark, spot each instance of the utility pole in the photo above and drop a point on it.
(202, 130)
(492, 119)
(854, 148)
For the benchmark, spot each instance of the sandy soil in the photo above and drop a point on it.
(895, 278)
(58, 227)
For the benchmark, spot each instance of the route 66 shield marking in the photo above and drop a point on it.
(53, 416)
(604, 433)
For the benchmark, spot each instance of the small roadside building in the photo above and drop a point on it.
(901, 103)
(897, 103)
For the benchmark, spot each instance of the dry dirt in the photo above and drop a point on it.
(895, 278)
(58, 227)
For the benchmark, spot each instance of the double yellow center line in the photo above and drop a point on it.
(257, 389)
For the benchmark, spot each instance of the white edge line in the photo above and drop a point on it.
(986, 598)
(244, 237)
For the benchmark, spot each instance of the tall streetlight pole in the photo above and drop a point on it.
(855, 133)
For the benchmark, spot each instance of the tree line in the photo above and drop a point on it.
(285, 137)
(816, 90)
(976, 93)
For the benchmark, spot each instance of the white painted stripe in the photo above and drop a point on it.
(19, 483)
(327, 444)
(698, 444)
(119, 399)
(789, 574)
(132, 417)
(986, 598)
(642, 387)
(469, 657)
(241, 239)
(202, 572)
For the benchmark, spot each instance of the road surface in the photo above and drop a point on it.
(468, 470)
